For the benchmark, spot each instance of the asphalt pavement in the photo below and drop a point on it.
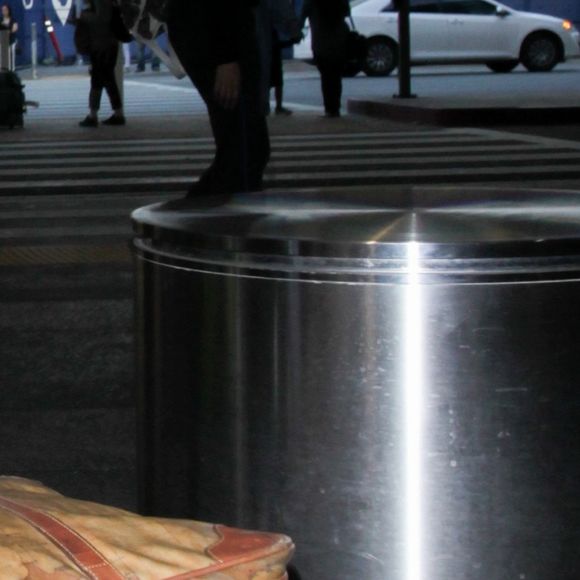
(521, 101)
(67, 413)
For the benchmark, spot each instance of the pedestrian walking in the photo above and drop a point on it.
(277, 26)
(94, 36)
(126, 57)
(8, 23)
(143, 53)
(329, 32)
(216, 42)
(277, 74)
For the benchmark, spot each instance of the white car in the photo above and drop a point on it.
(460, 31)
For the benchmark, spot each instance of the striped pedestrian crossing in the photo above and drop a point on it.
(68, 202)
(167, 166)
(67, 98)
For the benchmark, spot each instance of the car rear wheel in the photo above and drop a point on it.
(382, 57)
(502, 66)
(540, 53)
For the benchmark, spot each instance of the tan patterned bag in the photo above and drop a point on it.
(46, 536)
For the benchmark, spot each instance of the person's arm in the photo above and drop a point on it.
(228, 81)
(14, 28)
(305, 14)
(229, 16)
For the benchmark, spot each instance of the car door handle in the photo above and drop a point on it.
(456, 21)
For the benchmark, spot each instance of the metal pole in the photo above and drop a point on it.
(34, 49)
(404, 50)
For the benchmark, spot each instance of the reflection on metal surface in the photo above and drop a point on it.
(391, 379)
(414, 409)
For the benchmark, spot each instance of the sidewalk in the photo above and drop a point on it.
(159, 107)
(542, 106)
(452, 111)
(514, 99)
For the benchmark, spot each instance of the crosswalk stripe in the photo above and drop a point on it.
(106, 147)
(60, 254)
(302, 179)
(68, 99)
(41, 226)
(182, 166)
(32, 160)
(52, 232)
(166, 166)
(316, 137)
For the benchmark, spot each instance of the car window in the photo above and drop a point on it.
(424, 6)
(467, 7)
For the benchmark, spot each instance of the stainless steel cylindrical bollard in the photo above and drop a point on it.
(389, 377)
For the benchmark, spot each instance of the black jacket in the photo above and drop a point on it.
(218, 28)
(328, 27)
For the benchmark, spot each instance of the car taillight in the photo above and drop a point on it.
(567, 25)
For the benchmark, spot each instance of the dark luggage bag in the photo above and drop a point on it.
(12, 101)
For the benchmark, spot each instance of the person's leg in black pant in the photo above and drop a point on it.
(241, 133)
(241, 138)
(103, 77)
(109, 81)
(331, 83)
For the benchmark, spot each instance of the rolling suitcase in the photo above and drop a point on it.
(47, 536)
(12, 102)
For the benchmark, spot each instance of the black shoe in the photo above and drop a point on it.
(89, 121)
(115, 120)
(332, 114)
(283, 111)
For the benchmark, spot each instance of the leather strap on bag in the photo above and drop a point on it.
(76, 548)
(235, 547)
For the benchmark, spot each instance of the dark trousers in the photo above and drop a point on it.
(103, 62)
(142, 58)
(331, 82)
(241, 135)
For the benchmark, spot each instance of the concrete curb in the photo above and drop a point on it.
(440, 112)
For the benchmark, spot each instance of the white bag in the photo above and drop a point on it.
(145, 19)
(47, 536)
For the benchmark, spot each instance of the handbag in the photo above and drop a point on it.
(145, 19)
(46, 535)
(356, 44)
(356, 51)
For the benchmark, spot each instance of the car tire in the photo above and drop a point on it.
(541, 52)
(502, 66)
(382, 57)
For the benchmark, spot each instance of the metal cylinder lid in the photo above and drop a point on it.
(451, 227)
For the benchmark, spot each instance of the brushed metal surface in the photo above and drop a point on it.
(278, 339)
